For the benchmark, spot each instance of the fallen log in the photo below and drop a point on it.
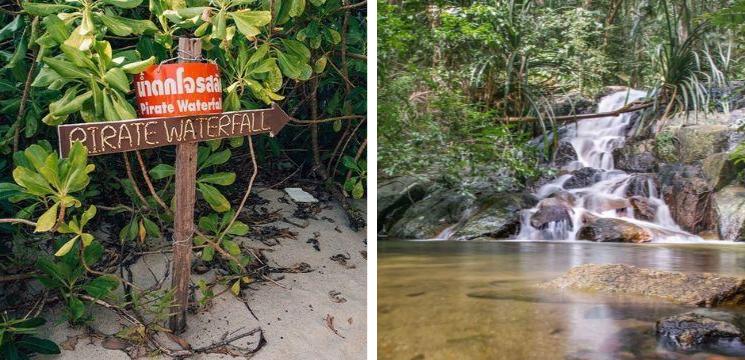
(631, 107)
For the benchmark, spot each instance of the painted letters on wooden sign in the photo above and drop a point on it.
(126, 135)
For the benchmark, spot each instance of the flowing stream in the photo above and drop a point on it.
(613, 192)
(479, 300)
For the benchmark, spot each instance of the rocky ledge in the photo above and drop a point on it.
(699, 289)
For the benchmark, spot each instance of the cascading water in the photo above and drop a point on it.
(609, 193)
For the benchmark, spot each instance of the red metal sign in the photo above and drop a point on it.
(179, 89)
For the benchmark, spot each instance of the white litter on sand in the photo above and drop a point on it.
(299, 195)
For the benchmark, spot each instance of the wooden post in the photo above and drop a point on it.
(183, 222)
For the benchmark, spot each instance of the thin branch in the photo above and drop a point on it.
(248, 190)
(26, 88)
(132, 180)
(19, 221)
(147, 180)
(346, 117)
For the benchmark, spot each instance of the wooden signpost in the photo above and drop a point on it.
(183, 131)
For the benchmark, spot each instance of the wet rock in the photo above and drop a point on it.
(642, 185)
(565, 154)
(643, 209)
(564, 196)
(689, 197)
(550, 210)
(396, 195)
(429, 216)
(701, 329)
(699, 289)
(730, 205)
(636, 156)
(720, 170)
(583, 177)
(613, 230)
(573, 103)
(498, 216)
(697, 142)
(605, 202)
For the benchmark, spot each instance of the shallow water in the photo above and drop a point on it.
(464, 300)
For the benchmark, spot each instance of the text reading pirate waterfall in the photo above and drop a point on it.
(180, 85)
(145, 133)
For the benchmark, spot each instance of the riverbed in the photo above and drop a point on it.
(479, 299)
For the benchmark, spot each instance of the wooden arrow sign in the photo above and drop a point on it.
(127, 135)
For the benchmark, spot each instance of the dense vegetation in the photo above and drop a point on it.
(452, 73)
(73, 61)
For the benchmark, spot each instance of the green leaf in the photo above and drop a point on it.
(92, 253)
(66, 247)
(320, 65)
(217, 201)
(56, 28)
(208, 253)
(152, 229)
(47, 220)
(138, 66)
(161, 171)
(117, 26)
(76, 307)
(220, 178)
(236, 288)
(117, 79)
(38, 9)
(358, 190)
(37, 345)
(249, 21)
(238, 228)
(231, 247)
(67, 107)
(87, 215)
(217, 158)
(31, 323)
(124, 4)
(66, 69)
(297, 8)
(33, 182)
(77, 57)
(101, 286)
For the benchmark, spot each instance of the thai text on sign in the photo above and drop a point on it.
(126, 135)
(178, 89)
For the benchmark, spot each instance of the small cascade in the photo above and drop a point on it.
(602, 191)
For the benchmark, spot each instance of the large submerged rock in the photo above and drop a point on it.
(613, 230)
(498, 216)
(702, 329)
(699, 289)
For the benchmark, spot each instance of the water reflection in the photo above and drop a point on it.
(439, 300)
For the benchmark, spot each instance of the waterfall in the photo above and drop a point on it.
(609, 193)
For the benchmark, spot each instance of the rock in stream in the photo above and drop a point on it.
(699, 289)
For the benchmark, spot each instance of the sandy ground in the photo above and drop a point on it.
(292, 316)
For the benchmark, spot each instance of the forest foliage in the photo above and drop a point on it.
(452, 72)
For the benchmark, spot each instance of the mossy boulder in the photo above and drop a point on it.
(695, 143)
(613, 230)
(498, 217)
(427, 218)
(730, 206)
(396, 195)
(720, 170)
